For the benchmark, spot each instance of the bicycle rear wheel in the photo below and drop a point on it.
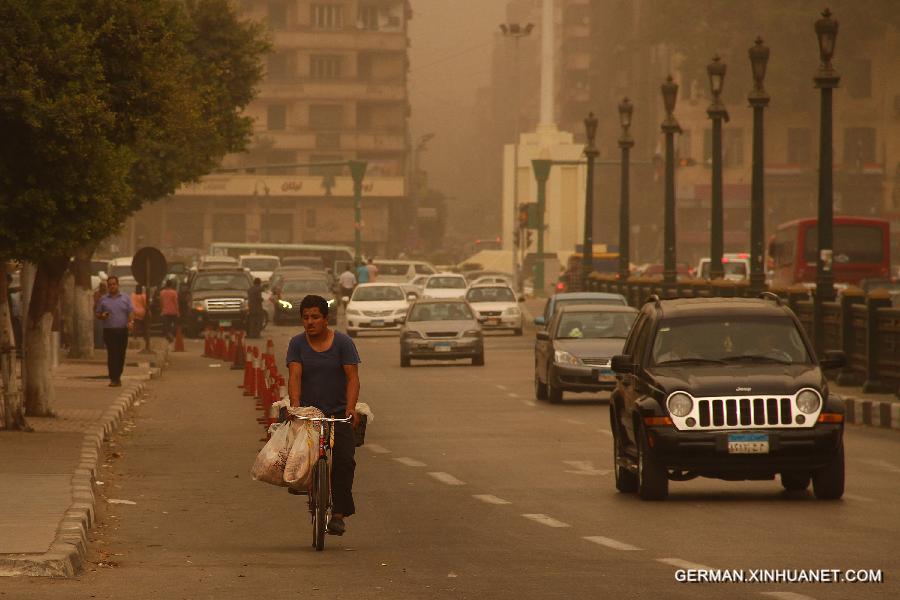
(320, 520)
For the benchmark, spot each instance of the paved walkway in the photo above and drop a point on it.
(46, 477)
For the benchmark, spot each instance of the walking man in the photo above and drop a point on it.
(362, 273)
(117, 314)
(168, 309)
(347, 282)
(373, 271)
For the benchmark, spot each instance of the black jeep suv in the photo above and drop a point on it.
(216, 297)
(728, 388)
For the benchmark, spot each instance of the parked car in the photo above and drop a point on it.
(727, 388)
(736, 267)
(118, 267)
(216, 297)
(260, 265)
(574, 353)
(291, 293)
(441, 329)
(496, 307)
(402, 271)
(569, 298)
(376, 307)
(445, 285)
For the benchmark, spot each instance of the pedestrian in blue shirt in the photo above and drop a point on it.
(362, 273)
(324, 372)
(117, 314)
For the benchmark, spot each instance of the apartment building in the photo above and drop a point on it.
(335, 90)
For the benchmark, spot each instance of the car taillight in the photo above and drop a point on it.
(560, 286)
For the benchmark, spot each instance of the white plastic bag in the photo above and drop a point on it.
(271, 460)
(305, 449)
(364, 409)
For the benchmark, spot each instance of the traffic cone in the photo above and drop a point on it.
(207, 344)
(248, 374)
(179, 340)
(239, 358)
(220, 344)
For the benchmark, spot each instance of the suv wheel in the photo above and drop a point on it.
(626, 481)
(404, 360)
(478, 360)
(795, 482)
(653, 480)
(828, 482)
(540, 389)
(554, 394)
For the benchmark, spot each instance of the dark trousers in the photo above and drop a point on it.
(116, 339)
(169, 323)
(343, 466)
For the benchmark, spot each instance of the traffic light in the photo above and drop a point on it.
(523, 216)
(515, 238)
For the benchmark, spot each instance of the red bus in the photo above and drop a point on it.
(861, 250)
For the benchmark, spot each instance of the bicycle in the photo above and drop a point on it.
(320, 487)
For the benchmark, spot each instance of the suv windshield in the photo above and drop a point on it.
(444, 311)
(747, 339)
(260, 264)
(594, 325)
(378, 293)
(491, 294)
(299, 286)
(454, 283)
(221, 281)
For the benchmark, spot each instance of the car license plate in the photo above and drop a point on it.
(378, 323)
(225, 323)
(606, 377)
(442, 347)
(748, 443)
(493, 321)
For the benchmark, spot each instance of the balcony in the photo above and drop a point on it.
(340, 39)
(333, 89)
(304, 138)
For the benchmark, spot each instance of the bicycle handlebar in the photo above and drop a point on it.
(329, 419)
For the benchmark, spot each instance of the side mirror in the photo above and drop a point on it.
(622, 363)
(345, 299)
(833, 359)
(402, 318)
(543, 335)
(412, 297)
(540, 321)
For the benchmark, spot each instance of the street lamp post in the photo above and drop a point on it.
(625, 143)
(717, 113)
(759, 99)
(357, 172)
(669, 127)
(541, 169)
(590, 151)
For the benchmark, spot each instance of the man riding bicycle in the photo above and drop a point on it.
(323, 367)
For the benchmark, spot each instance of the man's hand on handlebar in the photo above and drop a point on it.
(351, 412)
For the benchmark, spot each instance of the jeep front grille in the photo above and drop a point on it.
(745, 412)
(222, 305)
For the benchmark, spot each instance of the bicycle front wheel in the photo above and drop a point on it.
(320, 520)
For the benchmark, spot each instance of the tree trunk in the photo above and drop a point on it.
(12, 413)
(81, 313)
(38, 327)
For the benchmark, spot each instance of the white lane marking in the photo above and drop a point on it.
(447, 478)
(611, 543)
(882, 464)
(530, 403)
(502, 387)
(787, 596)
(489, 499)
(682, 564)
(858, 498)
(573, 421)
(513, 395)
(376, 449)
(545, 520)
(585, 467)
(409, 462)
(605, 432)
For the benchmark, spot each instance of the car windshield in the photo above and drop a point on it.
(377, 293)
(491, 294)
(729, 340)
(260, 264)
(582, 301)
(305, 286)
(453, 283)
(221, 281)
(392, 268)
(594, 325)
(443, 311)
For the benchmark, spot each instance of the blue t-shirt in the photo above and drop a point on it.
(362, 274)
(323, 383)
(118, 307)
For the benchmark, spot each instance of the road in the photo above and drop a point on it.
(466, 488)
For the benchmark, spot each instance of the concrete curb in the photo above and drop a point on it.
(875, 413)
(66, 556)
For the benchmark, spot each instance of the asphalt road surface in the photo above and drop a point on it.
(466, 488)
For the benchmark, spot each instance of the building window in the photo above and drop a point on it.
(859, 78)
(327, 16)
(280, 157)
(799, 145)
(278, 14)
(325, 66)
(732, 147)
(368, 17)
(278, 66)
(310, 221)
(325, 116)
(859, 145)
(276, 117)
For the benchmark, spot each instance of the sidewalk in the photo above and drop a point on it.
(47, 503)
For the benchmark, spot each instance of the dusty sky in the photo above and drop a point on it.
(449, 60)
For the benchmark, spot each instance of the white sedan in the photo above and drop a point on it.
(497, 307)
(445, 285)
(376, 307)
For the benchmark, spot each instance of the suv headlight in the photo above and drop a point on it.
(245, 305)
(285, 304)
(198, 305)
(412, 335)
(680, 404)
(561, 356)
(808, 401)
